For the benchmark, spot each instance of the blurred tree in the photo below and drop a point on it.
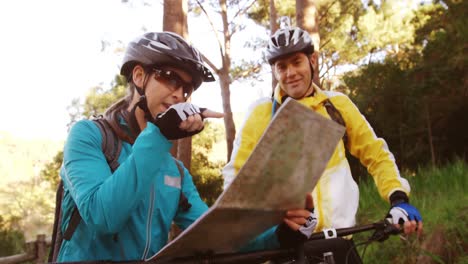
(50, 172)
(230, 25)
(175, 20)
(27, 206)
(348, 31)
(206, 173)
(383, 94)
(175, 17)
(416, 100)
(441, 76)
(307, 19)
(11, 241)
(99, 99)
(273, 27)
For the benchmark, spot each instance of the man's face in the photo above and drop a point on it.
(294, 75)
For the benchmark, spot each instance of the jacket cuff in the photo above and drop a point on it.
(398, 197)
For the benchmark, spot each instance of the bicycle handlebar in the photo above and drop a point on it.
(383, 230)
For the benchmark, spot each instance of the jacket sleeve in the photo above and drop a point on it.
(257, 119)
(266, 240)
(371, 150)
(105, 202)
(185, 218)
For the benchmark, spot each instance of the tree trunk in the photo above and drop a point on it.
(307, 19)
(429, 134)
(224, 71)
(273, 27)
(228, 118)
(175, 20)
(226, 81)
(175, 17)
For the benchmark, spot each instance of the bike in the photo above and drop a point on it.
(299, 255)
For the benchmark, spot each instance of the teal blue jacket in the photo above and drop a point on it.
(126, 215)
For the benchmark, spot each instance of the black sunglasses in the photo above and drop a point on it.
(172, 80)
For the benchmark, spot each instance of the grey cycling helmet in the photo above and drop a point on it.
(166, 48)
(286, 41)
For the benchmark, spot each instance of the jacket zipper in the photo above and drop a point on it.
(148, 224)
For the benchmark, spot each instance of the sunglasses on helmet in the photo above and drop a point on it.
(173, 81)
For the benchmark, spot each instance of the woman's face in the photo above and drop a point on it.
(166, 86)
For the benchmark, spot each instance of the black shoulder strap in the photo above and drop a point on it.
(111, 147)
(111, 144)
(183, 201)
(336, 116)
(57, 235)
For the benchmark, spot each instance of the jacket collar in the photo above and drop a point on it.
(317, 98)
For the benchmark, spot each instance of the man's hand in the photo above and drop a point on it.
(183, 120)
(303, 220)
(298, 225)
(406, 214)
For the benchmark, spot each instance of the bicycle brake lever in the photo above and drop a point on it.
(383, 230)
(390, 228)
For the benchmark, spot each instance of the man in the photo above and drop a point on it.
(336, 196)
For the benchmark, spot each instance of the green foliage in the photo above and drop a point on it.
(23, 158)
(341, 38)
(206, 173)
(99, 99)
(350, 31)
(26, 202)
(420, 98)
(245, 69)
(392, 105)
(260, 11)
(50, 172)
(440, 196)
(388, 25)
(28, 206)
(11, 241)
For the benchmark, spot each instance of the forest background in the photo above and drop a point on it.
(402, 62)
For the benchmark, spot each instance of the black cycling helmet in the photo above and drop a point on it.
(166, 48)
(286, 41)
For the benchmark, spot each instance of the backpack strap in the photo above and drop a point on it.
(57, 235)
(336, 116)
(111, 147)
(183, 201)
(111, 144)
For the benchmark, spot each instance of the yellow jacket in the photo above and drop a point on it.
(336, 196)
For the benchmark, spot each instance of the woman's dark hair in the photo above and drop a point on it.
(119, 110)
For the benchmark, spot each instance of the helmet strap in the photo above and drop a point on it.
(140, 91)
(142, 102)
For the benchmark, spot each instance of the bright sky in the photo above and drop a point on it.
(51, 53)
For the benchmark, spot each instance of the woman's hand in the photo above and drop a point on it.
(195, 123)
(183, 120)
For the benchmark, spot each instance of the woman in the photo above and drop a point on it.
(126, 214)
